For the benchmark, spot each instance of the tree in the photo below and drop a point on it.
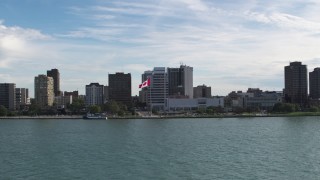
(3, 110)
(34, 108)
(114, 107)
(95, 109)
(77, 105)
(285, 107)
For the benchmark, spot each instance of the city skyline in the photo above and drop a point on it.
(231, 46)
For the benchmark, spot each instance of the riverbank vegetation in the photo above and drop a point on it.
(115, 109)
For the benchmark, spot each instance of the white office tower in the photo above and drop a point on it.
(158, 90)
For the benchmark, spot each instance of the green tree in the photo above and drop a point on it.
(34, 108)
(76, 106)
(314, 109)
(285, 107)
(3, 110)
(114, 107)
(121, 113)
(95, 109)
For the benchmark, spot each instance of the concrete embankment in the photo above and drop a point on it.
(42, 117)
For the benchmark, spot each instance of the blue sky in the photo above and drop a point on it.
(232, 45)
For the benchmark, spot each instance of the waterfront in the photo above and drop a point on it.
(219, 148)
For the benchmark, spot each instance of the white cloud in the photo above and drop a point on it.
(230, 45)
(16, 44)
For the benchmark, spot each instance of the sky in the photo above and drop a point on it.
(231, 45)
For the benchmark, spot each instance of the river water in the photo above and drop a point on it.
(230, 148)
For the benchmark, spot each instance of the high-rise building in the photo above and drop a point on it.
(43, 90)
(314, 80)
(120, 88)
(296, 84)
(54, 73)
(106, 93)
(158, 90)
(180, 81)
(143, 93)
(94, 94)
(202, 92)
(22, 97)
(8, 95)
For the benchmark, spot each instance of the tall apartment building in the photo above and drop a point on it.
(8, 95)
(54, 73)
(22, 97)
(202, 91)
(296, 84)
(94, 94)
(180, 81)
(120, 88)
(314, 83)
(43, 90)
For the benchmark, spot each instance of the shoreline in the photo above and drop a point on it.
(164, 117)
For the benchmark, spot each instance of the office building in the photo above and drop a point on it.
(143, 93)
(106, 93)
(94, 94)
(296, 84)
(182, 105)
(62, 101)
(43, 90)
(8, 95)
(22, 97)
(180, 81)
(202, 91)
(54, 73)
(120, 88)
(158, 90)
(314, 81)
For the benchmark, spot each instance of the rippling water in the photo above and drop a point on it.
(235, 148)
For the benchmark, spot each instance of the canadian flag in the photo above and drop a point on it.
(145, 83)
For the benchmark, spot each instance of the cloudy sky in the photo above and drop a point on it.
(232, 45)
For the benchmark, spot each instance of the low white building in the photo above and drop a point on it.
(192, 104)
(265, 101)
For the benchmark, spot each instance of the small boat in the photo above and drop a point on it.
(95, 116)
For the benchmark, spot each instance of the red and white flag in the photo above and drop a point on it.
(145, 83)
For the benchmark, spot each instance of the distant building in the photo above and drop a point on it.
(296, 84)
(120, 88)
(62, 101)
(94, 94)
(8, 95)
(43, 90)
(180, 81)
(254, 99)
(74, 94)
(143, 93)
(22, 97)
(106, 93)
(173, 105)
(314, 80)
(54, 73)
(158, 90)
(264, 100)
(255, 91)
(202, 92)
